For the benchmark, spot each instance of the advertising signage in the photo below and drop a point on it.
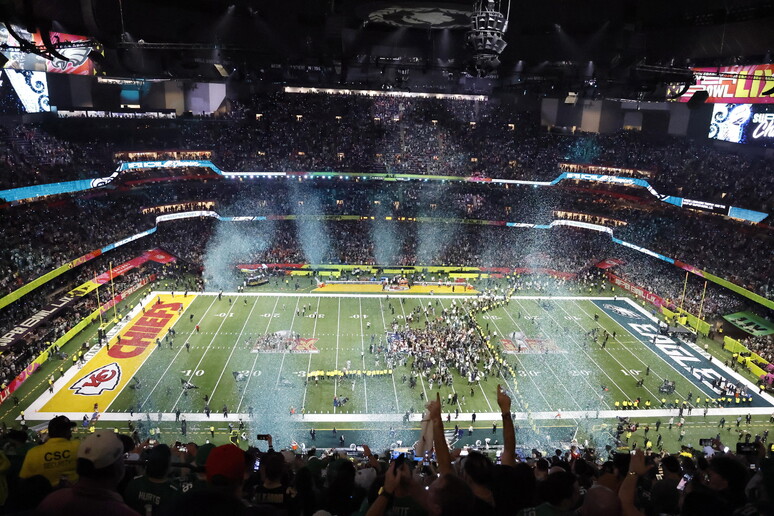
(733, 84)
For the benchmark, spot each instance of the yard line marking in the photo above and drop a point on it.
(309, 365)
(452, 385)
(282, 362)
(550, 369)
(579, 346)
(336, 368)
(362, 352)
(521, 364)
(394, 387)
(171, 362)
(655, 397)
(233, 348)
(255, 360)
(201, 359)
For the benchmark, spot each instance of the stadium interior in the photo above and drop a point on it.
(341, 257)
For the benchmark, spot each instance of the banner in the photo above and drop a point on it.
(640, 292)
(751, 323)
(26, 327)
(26, 373)
(741, 84)
(610, 263)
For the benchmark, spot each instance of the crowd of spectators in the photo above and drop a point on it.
(281, 132)
(109, 472)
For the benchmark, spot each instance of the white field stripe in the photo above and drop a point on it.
(505, 380)
(602, 415)
(171, 362)
(395, 296)
(655, 396)
(233, 348)
(520, 363)
(336, 367)
(719, 364)
(384, 323)
(580, 346)
(636, 341)
(201, 359)
(550, 369)
(309, 365)
(282, 362)
(255, 360)
(443, 306)
(362, 352)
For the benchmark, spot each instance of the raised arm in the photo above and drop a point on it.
(442, 456)
(508, 456)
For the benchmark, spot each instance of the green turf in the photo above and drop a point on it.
(580, 375)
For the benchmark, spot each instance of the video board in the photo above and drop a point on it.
(75, 48)
(751, 124)
(732, 84)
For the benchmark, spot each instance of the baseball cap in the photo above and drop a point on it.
(102, 448)
(227, 461)
(59, 426)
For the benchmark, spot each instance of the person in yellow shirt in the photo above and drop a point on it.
(55, 459)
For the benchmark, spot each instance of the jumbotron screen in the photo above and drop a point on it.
(743, 123)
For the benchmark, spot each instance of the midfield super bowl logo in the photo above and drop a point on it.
(105, 378)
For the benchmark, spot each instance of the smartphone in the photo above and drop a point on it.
(257, 464)
(705, 442)
(263, 437)
(399, 461)
(686, 478)
(746, 449)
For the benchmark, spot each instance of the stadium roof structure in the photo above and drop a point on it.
(335, 41)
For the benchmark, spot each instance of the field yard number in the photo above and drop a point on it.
(318, 316)
(191, 372)
(532, 317)
(358, 316)
(522, 372)
(580, 373)
(224, 314)
(270, 315)
(572, 318)
(493, 317)
(631, 372)
(248, 373)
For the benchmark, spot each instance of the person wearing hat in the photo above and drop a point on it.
(226, 468)
(100, 467)
(56, 458)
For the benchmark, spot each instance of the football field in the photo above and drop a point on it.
(287, 357)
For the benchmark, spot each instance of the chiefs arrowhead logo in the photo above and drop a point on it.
(96, 382)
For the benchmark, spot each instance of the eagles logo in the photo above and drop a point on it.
(623, 312)
(75, 57)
